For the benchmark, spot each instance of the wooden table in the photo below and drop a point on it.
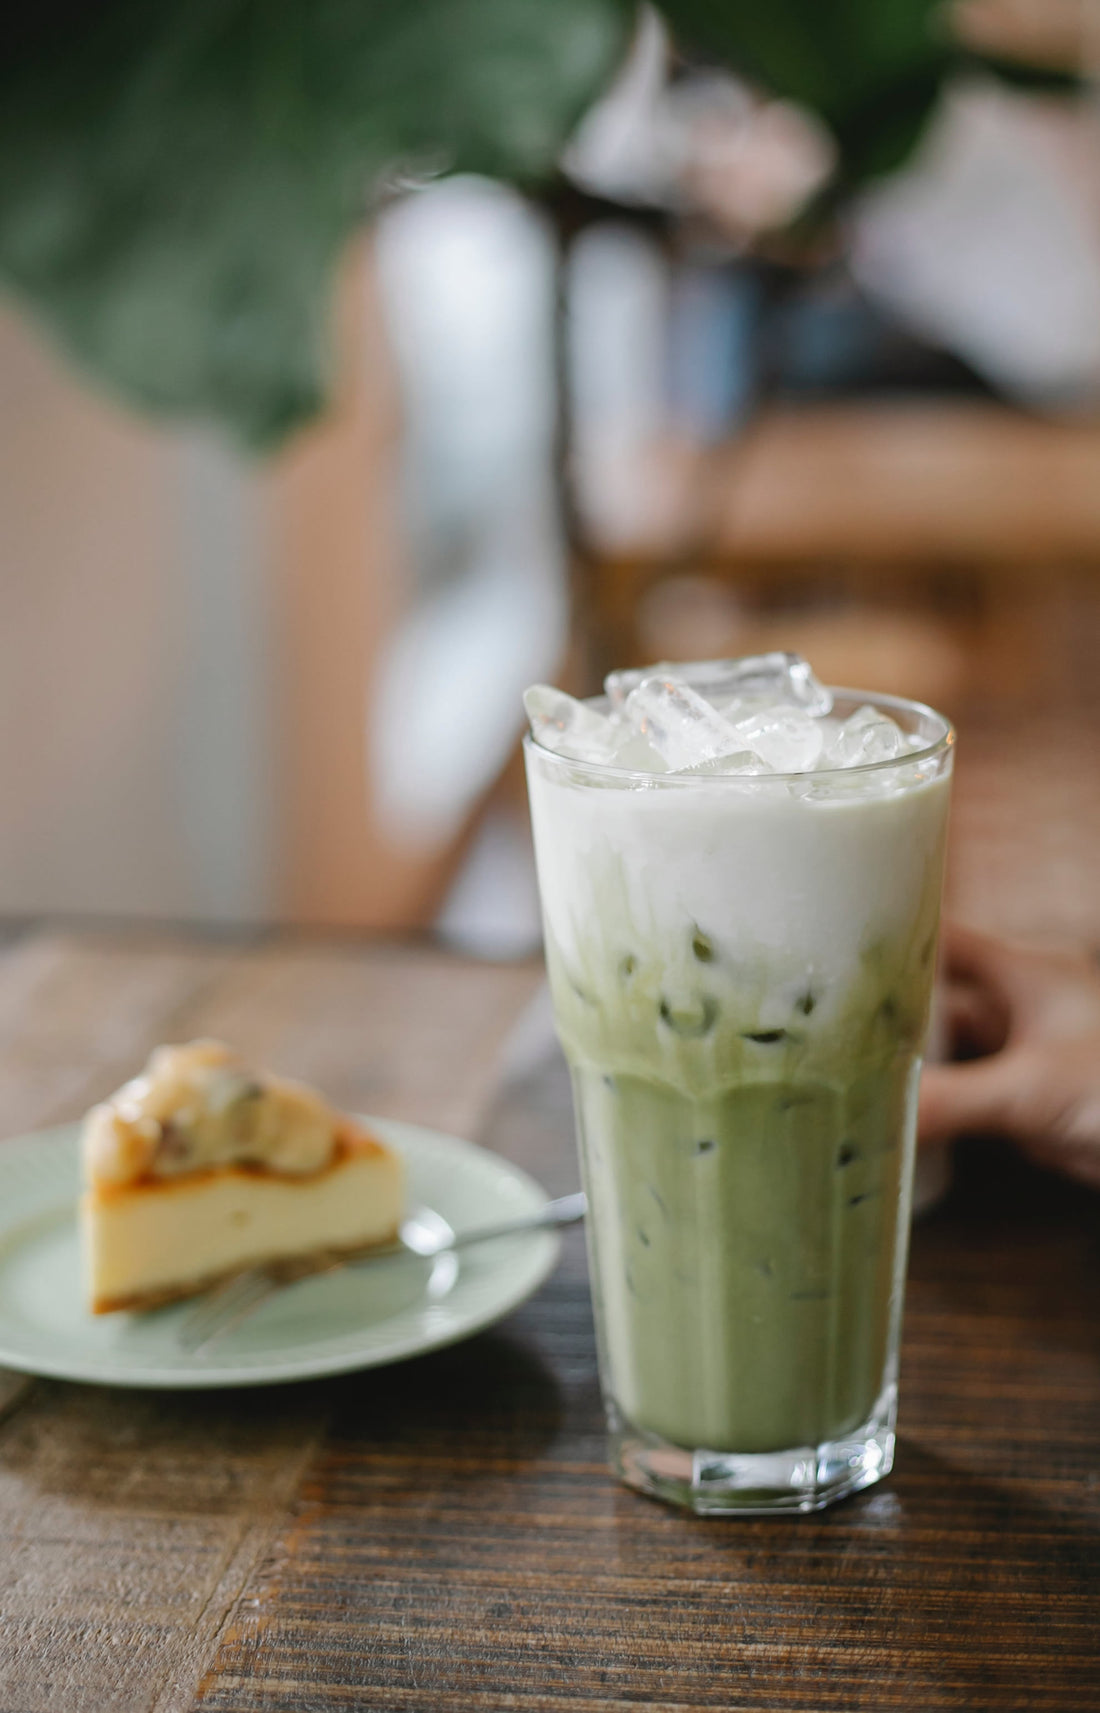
(443, 1535)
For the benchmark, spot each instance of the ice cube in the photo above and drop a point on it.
(753, 678)
(680, 725)
(785, 739)
(864, 737)
(777, 677)
(634, 752)
(618, 686)
(578, 732)
(561, 723)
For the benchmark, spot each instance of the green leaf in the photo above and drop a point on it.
(871, 69)
(1030, 79)
(178, 178)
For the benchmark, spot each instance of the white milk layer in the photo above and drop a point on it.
(763, 891)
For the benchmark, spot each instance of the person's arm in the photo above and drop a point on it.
(1028, 1024)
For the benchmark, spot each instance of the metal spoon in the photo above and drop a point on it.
(423, 1233)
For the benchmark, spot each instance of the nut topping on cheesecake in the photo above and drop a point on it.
(200, 1105)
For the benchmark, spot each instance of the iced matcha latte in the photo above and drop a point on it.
(740, 875)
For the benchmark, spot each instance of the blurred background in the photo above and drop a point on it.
(733, 365)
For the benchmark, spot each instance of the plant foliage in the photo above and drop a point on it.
(178, 178)
(871, 69)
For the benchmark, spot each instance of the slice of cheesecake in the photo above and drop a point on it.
(201, 1167)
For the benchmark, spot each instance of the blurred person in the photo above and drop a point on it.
(1023, 1033)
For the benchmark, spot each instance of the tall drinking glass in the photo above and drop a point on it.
(741, 970)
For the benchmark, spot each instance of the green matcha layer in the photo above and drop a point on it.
(747, 1149)
(747, 1250)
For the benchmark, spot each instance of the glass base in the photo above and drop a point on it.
(730, 1484)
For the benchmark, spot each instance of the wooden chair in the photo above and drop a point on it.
(940, 540)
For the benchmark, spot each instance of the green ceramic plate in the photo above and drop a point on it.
(357, 1318)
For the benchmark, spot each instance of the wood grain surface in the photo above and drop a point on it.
(443, 1534)
(130, 1522)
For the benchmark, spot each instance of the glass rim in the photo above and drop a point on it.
(941, 746)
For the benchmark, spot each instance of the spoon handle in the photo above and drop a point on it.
(567, 1210)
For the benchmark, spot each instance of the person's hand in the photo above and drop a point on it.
(1027, 1024)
